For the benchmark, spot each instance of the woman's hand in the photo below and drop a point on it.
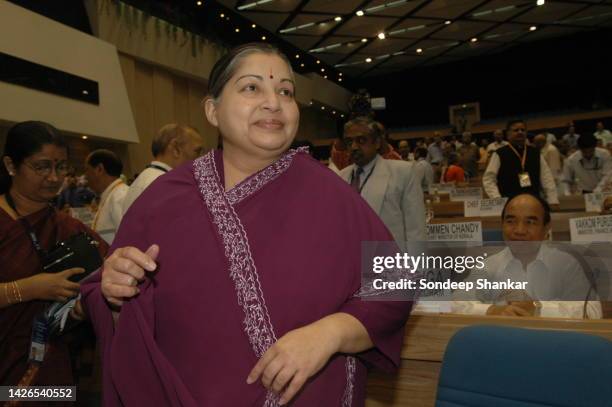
(123, 270)
(294, 358)
(51, 286)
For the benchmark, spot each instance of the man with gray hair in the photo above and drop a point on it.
(174, 145)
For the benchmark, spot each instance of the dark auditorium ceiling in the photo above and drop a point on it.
(417, 32)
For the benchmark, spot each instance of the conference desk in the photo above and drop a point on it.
(446, 208)
(559, 222)
(425, 340)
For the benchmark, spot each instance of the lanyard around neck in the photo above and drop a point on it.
(360, 188)
(28, 228)
(522, 160)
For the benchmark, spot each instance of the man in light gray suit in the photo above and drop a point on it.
(390, 187)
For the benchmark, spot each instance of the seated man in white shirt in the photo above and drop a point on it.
(174, 145)
(102, 170)
(550, 273)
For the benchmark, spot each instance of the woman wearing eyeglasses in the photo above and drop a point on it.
(34, 164)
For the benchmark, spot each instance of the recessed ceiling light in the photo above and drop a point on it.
(533, 28)
(368, 60)
(237, 30)
(341, 115)
(322, 107)
(364, 40)
(338, 18)
(339, 79)
(253, 26)
(322, 69)
(381, 36)
(263, 37)
(474, 39)
(297, 56)
(85, 92)
(334, 112)
(325, 77)
(302, 65)
(84, 137)
(419, 50)
(340, 74)
(360, 13)
(222, 15)
(310, 103)
(199, 3)
(448, 22)
(318, 62)
(540, 2)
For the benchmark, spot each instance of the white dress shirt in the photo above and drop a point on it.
(552, 156)
(489, 180)
(585, 174)
(604, 135)
(424, 172)
(553, 274)
(144, 179)
(107, 219)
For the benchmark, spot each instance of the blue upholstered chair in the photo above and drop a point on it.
(492, 366)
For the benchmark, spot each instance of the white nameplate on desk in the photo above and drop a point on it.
(593, 202)
(443, 188)
(591, 229)
(455, 232)
(465, 194)
(483, 207)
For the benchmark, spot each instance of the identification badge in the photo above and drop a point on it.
(40, 337)
(524, 180)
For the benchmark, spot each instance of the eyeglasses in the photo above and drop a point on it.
(44, 168)
(360, 140)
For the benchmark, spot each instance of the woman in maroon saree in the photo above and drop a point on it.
(253, 300)
(33, 168)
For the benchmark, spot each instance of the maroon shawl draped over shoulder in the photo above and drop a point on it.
(18, 259)
(236, 271)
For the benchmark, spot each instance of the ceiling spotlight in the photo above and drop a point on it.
(318, 62)
(84, 137)
(297, 56)
(263, 37)
(419, 50)
(322, 69)
(85, 92)
(310, 103)
(322, 107)
(334, 112)
(199, 3)
(341, 115)
(474, 39)
(340, 74)
(302, 65)
(364, 40)
(360, 13)
(447, 22)
(381, 36)
(368, 60)
(339, 79)
(237, 30)
(533, 28)
(540, 2)
(253, 26)
(222, 15)
(338, 18)
(325, 77)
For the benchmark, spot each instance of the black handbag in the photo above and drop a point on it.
(80, 250)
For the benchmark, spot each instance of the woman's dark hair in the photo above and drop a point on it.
(24, 140)
(543, 203)
(109, 160)
(226, 67)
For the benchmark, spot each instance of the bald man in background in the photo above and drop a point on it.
(174, 145)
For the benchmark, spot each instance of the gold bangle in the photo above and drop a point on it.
(14, 292)
(18, 291)
(8, 299)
